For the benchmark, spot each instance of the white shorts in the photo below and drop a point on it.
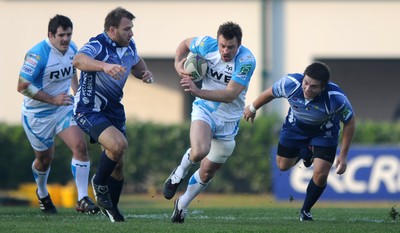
(41, 131)
(220, 130)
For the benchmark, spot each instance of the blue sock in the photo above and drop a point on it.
(312, 195)
(115, 189)
(105, 168)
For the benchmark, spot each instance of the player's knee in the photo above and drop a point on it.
(118, 152)
(117, 148)
(283, 167)
(320, 179)
(44, 158)
(80, 152)
(221, 150)
(198, 153)
(283, 163)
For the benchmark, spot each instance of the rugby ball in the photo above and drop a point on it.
(196, 65)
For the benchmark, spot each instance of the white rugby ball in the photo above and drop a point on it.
(196, 65)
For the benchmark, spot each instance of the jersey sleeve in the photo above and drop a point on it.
(342, 106)
(74, 47)
(31, 66)
(202, 45)
(91, 49)
(132, 47)
(34, 64)
(244, 67)
(285, 86)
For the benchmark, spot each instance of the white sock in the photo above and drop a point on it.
(194, 188)
(41, 181)
(80, 171)
(183, 168)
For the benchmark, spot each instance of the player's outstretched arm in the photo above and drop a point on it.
(250, 111)
(85, 63)
(348, 134)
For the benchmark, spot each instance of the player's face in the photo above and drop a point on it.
(227, 48)
(61, 39)
(124, 33)
(311, 87)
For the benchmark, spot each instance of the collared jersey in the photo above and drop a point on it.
(324, 111)
(49, 70)
(97, 90)
(219, 73)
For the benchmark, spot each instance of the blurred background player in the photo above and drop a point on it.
(45, 80)
(312, 126)
(106, 62)
(216, 111)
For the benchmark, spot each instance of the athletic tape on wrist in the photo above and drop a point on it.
(30, 91)
(252, 108)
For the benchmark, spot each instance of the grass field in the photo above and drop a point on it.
(210, 213)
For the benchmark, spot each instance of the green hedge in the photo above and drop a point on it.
(154, 150)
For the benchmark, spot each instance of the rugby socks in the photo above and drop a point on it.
(195, 187)
(41, 180)
(312, 195)
(185, 165)
(80, 171)
(115, 189)
(104, 170)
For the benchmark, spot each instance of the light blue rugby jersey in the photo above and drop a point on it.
(50, 71)
(97, 90)
(323, 112)
(219, 73)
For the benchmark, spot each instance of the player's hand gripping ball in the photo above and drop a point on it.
(196, 65)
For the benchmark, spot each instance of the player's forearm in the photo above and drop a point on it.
(86, 63)
(26, 88)
(139, 68)
(39, 95)
(347, 137)
(182, 50)
(29, 90)
(74, 84)
(222, 96)
(227, 95)
(263, 98)
(44, 97)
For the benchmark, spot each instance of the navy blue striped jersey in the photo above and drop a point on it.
(97, 90)
(326, 110)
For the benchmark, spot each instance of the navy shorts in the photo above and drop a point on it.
(301, 142)
(324, 153)
(95, 123)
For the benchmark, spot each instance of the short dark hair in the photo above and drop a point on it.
(57, 21)
(114, 17)
(230, 30)
(318, 71)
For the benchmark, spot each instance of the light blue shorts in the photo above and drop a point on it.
(221, 130)
(41, 131)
